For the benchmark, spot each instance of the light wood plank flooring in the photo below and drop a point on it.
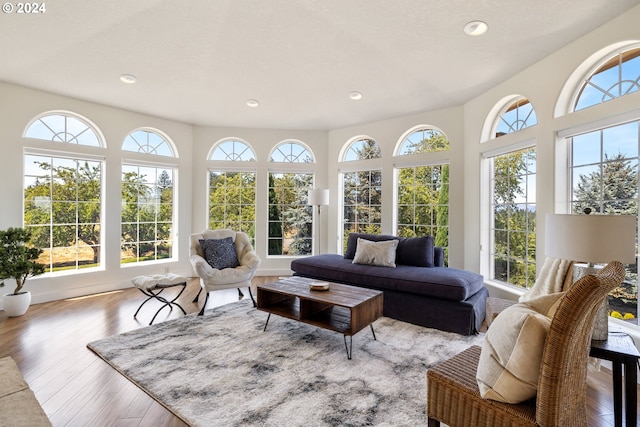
(76, 388)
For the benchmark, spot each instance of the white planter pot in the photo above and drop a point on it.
(16, 305)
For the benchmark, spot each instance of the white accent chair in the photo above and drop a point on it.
(212, 279)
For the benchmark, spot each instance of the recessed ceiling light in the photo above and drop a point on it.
(355, 95)
(128, 79)
(476, 28)
(252, 103)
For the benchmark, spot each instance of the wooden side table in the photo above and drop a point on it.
(621, 351)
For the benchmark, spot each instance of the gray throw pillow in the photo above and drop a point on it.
(220, 253)
(382, 253)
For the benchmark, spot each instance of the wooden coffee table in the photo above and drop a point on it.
(341, 308)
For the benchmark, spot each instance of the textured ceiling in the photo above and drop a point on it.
(198, 61)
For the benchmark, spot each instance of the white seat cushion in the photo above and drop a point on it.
(158, 281)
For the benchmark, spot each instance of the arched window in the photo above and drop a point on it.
(362, 149)
(232, 150)
(511, 195)
(423, 140)
(618, 76)
(64, 127)
(362, 189)
(290, 218)
(517, 115)
(63, 192)
(422, 207)
(291, 152)
(147, 193)
(148, 142)
(232, 187)
(603, 152)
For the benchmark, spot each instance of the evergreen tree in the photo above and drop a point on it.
(612, 190)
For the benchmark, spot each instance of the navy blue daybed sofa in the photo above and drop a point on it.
(418, 290)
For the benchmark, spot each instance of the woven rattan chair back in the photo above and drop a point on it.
(452, 391)
(562, 387)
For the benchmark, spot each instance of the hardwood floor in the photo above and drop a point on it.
(76, 388)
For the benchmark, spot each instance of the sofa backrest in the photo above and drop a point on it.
(417, 251)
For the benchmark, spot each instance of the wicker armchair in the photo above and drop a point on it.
(453, 396)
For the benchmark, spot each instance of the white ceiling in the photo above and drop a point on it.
(198, 61)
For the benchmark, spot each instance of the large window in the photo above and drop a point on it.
(63, 191)
(513, 223)
(232, 201)
(362, 202)
(604, 179)
(362, 190)
(290, 218)
(147, 213)
(423, 191)
(63, 209)
(147, 194)
(232, 187)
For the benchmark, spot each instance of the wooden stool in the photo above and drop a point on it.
(152, 286)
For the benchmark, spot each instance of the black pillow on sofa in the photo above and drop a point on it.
(220, 253)
(416, 251)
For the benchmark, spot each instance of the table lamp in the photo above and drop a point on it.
(589, 240)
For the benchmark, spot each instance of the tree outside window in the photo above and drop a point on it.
(362, 202)
(423, 191)
(63, 208)
(513, 227)
(604, 174)
(290, 218)
(147, 213)
(232, 201)
(232, 193)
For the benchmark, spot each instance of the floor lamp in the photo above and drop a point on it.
(592, 239)
(318, 197)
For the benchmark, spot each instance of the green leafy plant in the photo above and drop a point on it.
(17, 258)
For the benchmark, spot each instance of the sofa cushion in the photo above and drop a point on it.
(417, 251)
(220, 253)
(438, 282)
(382, 253)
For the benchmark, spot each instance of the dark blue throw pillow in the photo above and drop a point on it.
(220, 253)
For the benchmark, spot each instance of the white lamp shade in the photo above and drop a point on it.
(318, 196)
(591, 238)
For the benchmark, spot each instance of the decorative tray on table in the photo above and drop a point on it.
(319, 286)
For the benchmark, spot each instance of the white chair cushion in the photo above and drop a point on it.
(158, 281)
(509, 364)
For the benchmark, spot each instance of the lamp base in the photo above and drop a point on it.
(601, 321)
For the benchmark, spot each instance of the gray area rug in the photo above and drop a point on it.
(221, 369)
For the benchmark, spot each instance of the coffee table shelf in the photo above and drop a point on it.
(342, 308)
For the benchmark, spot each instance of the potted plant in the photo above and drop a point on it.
(18, 262)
